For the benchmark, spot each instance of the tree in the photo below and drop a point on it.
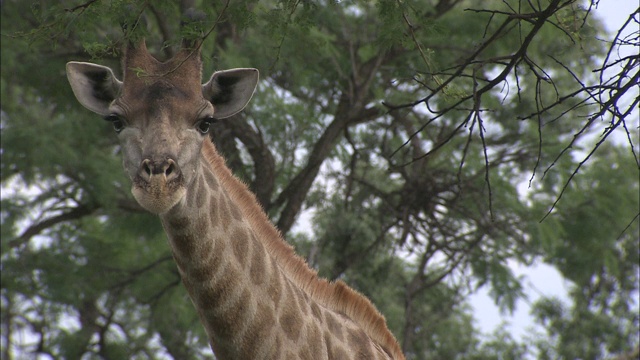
(405, 129)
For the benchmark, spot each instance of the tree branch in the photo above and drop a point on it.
(263, 162)
(293, 196)
(35, 229)
(164, 31)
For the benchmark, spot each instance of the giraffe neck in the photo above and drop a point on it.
(224, 270)
(250, 307)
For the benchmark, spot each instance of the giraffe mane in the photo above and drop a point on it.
(336, 296)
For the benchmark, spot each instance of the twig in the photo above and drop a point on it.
(83, 7)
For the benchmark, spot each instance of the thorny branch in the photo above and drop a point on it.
(613, 96)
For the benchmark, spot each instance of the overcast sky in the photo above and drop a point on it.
(543, 279)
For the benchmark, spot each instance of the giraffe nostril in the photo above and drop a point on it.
(149, 168)
(146, 167)
(171, 169)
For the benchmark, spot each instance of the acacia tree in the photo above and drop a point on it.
(404, 130)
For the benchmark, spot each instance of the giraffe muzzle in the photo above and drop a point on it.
(159, 185)
(167, 168)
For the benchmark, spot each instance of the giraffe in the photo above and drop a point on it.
(255, 297)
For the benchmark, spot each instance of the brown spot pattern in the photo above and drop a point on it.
(277, 348)
(290, 323)
(339, 354)
(303, 302)
(258, 270)
(360, 343)
(239, 239)
(317, 313)
(221, 289)
(201, 226)
(314, 343)
(178, 224)
(236, 315)
(334, 326)
(235, 212)
(205, 272)
(202, 193)
(306, 354)
(212, 260)
(183, 245)
(335, 351)
(223, 212)
(193, 194)
(276, 285)
(261, 329)
(212, 183)
(214, 211)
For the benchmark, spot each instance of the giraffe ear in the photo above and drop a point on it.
(95, 86)
(229, 91)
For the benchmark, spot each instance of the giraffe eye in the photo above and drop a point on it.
(116, 121)
(205, 124)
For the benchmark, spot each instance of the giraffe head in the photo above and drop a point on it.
(161, 113)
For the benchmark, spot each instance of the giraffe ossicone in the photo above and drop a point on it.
(255, 297)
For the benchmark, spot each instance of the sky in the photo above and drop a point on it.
(540, 279)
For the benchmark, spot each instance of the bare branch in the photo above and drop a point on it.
(629, 225)
(575, 172)
(81, 7)
(164, 31)
(35, 229)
